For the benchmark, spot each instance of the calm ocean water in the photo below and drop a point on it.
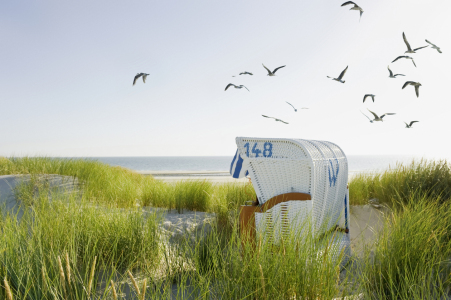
(357, 163)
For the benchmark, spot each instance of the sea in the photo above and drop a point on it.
(356, 163)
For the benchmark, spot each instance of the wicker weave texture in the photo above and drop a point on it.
(318, 168)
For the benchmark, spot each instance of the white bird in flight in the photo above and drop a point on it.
(434, 46)
(341, 76)
(410, 125)
(415, 84)
(235, 86)
(406, 57)
(391, 73)
(377, 118)
(355, 7)
(277, 120)
(273, 73)
(246, 73)
(144, 76)
(368, 95)
(409, 50)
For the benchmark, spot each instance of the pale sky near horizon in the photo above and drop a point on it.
(67, 70)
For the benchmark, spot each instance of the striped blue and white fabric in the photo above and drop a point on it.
(239, 166)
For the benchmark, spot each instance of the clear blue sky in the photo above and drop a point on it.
(67, 70)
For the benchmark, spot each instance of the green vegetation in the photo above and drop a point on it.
(429, 178)
(96, 243)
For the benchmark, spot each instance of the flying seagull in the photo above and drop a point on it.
(407, 57)
(376, 118)
(415, 84)
(246, 73)
(409, 50)
(340, 77)
(292, 106)
(277, 120)
(235, 86)
(368, 95)
(355, 7)
(410, 125)
(273, 73)
(144, 75)
(371, 121)
(434, 46)
(391, 73)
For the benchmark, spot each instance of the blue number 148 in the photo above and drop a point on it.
(267, 149)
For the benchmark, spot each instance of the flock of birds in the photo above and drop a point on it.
(356, 7)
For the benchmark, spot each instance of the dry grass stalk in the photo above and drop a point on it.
(114, 290)
(144, 289)
(134, 283)
(9, 293)
(91, 276)
(67, 268)
(44, 281)
(62, 277)
(263, 281)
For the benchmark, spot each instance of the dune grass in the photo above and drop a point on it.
(119, 187)
(429, 178)
(94, 244)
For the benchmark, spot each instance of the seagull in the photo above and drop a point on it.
(235, 86)
(341, 76)
(246, 73)
(293, 106)
(434, 46)
(407, 57)
(415, 84)
(277, 120)
(391, 73)
(368, 95)
(371, 121)
(273, 73)
(409, 50)
(376, 118)
(144, 75)
(410, 125)
(355, 7)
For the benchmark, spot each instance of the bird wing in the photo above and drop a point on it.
(366, 116)
(391, 73)
(267, 117)
(246, 88)
(399, 75)
(277, 69)
(417, 91)
(364, 97)
(229, 85)
(387, 114)
(430, 43)
(136, 77)
(343, 73)
(420, 48)
(282, 121)
(145, 77)
(405, 41)
(290, 104)
(269, 72)
(407, 83)
(414, 63)
(242, 73)
(438, 49)
(412, 122)
(399, 58)
(347, 3)
(375, 116)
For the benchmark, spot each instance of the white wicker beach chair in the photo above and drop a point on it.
(283, 166)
